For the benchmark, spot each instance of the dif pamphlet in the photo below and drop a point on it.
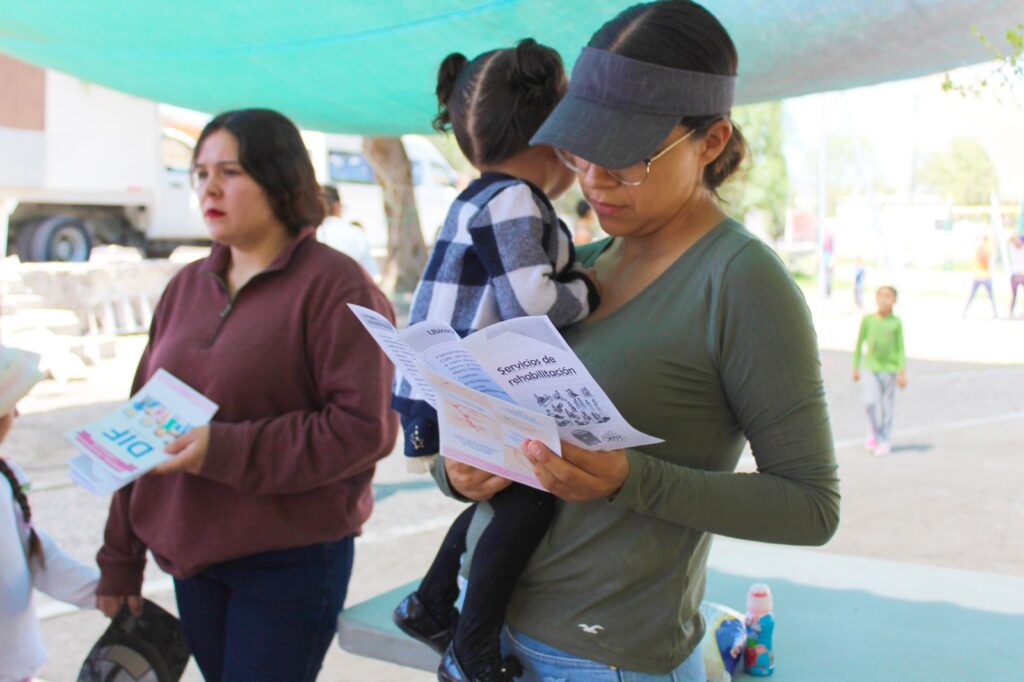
(509, 382)
(125, 443)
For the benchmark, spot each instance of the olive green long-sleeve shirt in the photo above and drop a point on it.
(718, 350)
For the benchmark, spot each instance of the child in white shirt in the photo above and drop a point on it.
(30, 559)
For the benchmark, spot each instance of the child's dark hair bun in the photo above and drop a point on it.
(537, 71)
(496, 102)
(447, 75)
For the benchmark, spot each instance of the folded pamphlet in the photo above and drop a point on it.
(129, 441)
(509, 382)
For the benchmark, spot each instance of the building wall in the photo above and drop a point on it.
(22, 95)
(22, 119)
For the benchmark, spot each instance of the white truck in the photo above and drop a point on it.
(81, 165)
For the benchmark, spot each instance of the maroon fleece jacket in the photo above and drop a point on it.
(303, 392)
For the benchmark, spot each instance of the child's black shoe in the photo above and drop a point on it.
(506, 670)
(413, 619)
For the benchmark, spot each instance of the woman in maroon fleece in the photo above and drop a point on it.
(255, 515)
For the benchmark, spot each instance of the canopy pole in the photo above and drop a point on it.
(822, 199)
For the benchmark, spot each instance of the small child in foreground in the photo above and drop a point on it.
(502, 253)
(29, 558)
(886, 360)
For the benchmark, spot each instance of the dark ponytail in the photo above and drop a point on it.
(680, 34)
(447, 74)
(35, 546)
(496, 102)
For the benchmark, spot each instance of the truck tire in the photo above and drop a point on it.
(23, 242)
(59, 238)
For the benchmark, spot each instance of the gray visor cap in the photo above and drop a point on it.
(618, 110)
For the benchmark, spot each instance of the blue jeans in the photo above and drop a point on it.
(543, 663)
(880, 400)
(268, 616)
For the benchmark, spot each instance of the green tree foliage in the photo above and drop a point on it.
(963, 171)
(1007, 76)
(763, 182)
(851, 168)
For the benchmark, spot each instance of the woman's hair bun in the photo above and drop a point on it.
(728, 162)
(447, 75)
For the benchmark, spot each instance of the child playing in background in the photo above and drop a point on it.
(502, 253)
(28, 557)
(859, 275)
(982, 275)
(1016, 253)
(885, 360)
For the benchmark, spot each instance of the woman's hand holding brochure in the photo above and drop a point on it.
(188, 452)
(578, 475)
(163, 427)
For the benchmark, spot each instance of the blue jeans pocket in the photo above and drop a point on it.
(544, 663)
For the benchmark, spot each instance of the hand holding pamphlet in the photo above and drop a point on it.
(124, 444)
(509, 382)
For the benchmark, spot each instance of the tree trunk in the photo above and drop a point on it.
(407, 254)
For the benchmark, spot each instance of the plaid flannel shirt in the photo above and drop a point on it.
(502, 253)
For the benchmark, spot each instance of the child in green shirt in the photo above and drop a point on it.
(885, 359)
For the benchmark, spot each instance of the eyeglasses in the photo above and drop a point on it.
(633, 176)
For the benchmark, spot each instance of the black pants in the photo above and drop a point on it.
(521, 518)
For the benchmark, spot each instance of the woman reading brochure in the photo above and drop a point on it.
(702, 338)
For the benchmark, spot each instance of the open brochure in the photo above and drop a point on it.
(511, 381)
(125, 443)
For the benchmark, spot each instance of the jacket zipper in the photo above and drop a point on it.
(231, 302)
(224, 313)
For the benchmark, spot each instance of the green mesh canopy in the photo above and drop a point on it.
(369, 66)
